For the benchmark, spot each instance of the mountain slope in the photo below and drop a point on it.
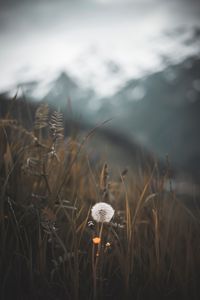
(162, 111)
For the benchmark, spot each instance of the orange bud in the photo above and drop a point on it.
(96, 240)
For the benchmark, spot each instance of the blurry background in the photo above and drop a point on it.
(135, 61)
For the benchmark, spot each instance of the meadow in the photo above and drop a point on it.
(51, 247)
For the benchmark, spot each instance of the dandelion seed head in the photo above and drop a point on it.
(102, 212)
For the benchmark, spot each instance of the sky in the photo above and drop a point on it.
(100, 43)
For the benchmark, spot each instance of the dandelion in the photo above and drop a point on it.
(102, 212)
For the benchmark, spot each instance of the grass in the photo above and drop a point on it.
(48, 184)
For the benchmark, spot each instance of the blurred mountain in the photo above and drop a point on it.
(162, 111)
(65, 89)
(58, 92)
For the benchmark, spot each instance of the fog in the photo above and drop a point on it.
(89, 39)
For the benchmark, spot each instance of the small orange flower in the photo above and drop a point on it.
(96, 240)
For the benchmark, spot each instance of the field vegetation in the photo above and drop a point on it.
(50, 245)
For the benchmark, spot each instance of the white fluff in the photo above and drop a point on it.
(102, 212)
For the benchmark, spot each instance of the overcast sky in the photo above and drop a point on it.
(99, 42)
